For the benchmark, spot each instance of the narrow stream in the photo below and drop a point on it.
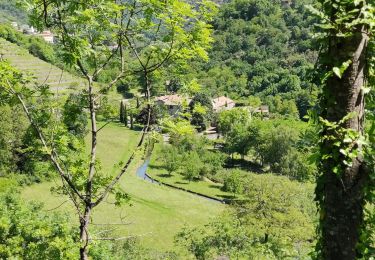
(142, 173)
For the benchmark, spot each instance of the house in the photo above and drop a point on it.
(172, 102)
(14, 25)
(222, 103)
(27, 29)
(263, 109)
(286, 3)
(47, 36)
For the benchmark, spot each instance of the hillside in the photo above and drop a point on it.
(10, 12)
(45, 73)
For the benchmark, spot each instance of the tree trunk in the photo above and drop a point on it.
(84, 235)
(343, 196)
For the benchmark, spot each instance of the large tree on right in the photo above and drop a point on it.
(345, 182)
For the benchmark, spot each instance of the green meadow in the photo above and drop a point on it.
(154, 214)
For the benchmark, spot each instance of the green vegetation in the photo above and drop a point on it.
(72, 147)
(345, 184)
(276, 221)
(189, 181)
(60, 81)
(156, 212)
(28, 232)
(10, 12)
(36, 46)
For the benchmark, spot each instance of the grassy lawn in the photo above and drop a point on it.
(156, 212)
(206, 187)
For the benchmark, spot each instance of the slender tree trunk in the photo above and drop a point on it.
(85, 219)
(84, 235)
(343, 196)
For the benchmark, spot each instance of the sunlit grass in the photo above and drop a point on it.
(156, 213)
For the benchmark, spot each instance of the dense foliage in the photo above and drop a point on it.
(27, 231)
(10, 12)
(276, 221)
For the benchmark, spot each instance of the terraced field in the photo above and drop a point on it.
(45, 73)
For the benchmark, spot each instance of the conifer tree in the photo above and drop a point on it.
(121, 112)
(125, 118)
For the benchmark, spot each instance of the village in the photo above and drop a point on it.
(47, 35)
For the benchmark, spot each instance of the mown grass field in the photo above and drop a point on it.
(206, 187)
(156, 212)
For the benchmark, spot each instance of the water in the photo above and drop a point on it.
(142, 173)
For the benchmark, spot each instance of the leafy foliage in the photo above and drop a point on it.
(27, 231)
(261, 47)
(276, 221)
(11, 12)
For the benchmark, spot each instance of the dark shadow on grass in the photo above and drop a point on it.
(228, 197)
(215, 186)
(244, 165)
(164, 175)
(154, 166)
(183, 183)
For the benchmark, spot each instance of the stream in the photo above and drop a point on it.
(142, 173)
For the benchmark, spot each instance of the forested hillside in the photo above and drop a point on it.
(11, 12)
(262, 48)
(181, 129)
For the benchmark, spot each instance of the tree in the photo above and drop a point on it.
(260, 48)
(148, 35)
(192, 165)
(233, 182)
(122, 112)
(278, 143)
(74, 115)
(275, 221)
(346, 71)
(170, 158)
(13, 128)
(228, 118)
(125, 116)
(201, 110)
(29, 232)
(238, 140)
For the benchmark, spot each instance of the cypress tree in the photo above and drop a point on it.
(131, 121)
(121, 112)
(125, 118)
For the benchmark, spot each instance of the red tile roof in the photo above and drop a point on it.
(222, 102)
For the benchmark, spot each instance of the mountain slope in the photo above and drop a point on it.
(10, 12)
(45, 73)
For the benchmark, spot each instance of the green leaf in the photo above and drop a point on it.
(340, 71)
(337, 72)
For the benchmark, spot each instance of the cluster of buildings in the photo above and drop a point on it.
(174, 103)
(26, 29)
